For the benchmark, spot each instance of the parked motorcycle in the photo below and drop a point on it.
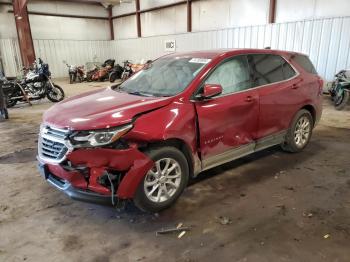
(35, 85)
(75, 72)
(130, 69)
(340, 89)
(102, 73)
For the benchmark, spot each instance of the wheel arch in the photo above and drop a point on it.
(312, 111)
(179, 144)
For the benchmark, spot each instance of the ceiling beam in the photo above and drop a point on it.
(63, 15)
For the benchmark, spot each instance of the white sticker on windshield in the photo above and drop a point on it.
(200, 60)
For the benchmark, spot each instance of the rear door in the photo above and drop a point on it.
(228, 123)
(277, 84)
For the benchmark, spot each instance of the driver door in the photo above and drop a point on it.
(228, 123)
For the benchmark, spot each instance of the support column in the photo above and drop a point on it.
(110, 19)
(138, 18)
(189, 15)
(24, 33)
(272, 11)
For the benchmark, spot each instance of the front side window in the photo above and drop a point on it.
(166, 76)
(270, 69)
(233, 75)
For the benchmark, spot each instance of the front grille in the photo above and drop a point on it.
(52, 144)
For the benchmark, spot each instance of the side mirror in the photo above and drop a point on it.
(210, 90)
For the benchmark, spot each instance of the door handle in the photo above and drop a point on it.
(295, 86)
(249, 99)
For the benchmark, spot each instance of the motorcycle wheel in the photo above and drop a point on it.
(11, 103)
(340, 102)
(56, 94)
(112, 77)
(71, 79)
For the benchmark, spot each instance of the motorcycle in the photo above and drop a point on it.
(340, 89)
(130, 69)
(102, 72)
(35, 85)
(116, 73)
(127, 70)
(75, 72)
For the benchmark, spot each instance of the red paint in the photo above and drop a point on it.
(207, 127)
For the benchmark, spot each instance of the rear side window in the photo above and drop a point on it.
(305, 63)
(268, 69)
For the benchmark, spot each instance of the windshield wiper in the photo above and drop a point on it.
(138, 93)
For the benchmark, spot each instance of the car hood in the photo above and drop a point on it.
(100, 109)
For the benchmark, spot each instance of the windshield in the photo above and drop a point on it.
(166, 76)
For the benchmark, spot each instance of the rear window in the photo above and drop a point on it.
(269, 69)
(305, 63)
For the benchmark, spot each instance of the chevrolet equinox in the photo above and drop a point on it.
(182, 114)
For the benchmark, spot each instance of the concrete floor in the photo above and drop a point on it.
(279, 206)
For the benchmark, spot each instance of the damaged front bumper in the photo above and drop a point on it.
(74, 193)
(81, 179)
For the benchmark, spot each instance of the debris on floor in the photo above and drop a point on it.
(178, 228)
(224, 220)
(326, 236)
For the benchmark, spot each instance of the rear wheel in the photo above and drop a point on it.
(164, 182)
(299, 133)
(341, 101)
(55, 94)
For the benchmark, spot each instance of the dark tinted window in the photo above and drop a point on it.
(233, 75)
(270, 69)
(305, 63)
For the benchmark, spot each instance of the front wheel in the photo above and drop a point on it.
(341, 101)
(55, 94)
(299, 134)
(164, 182)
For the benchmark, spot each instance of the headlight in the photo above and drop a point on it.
(99, 137)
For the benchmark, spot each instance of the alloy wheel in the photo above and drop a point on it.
(163, 180)
(302, 131)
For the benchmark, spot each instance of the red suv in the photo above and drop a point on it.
(182, 114)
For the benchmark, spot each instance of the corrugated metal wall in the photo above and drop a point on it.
(10, 56)
(327, 41)
(54, 52)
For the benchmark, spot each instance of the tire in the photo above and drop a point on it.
(11, 103)
(342, 101)
(71, 79)
(55, 96)
(112, 77)
(291, 142)
(180, 176)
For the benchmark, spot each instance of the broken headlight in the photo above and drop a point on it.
(98, 137)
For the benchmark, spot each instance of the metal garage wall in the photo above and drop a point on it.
(10, 56)
(54, 52)
(327, 41)
(73, 51)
